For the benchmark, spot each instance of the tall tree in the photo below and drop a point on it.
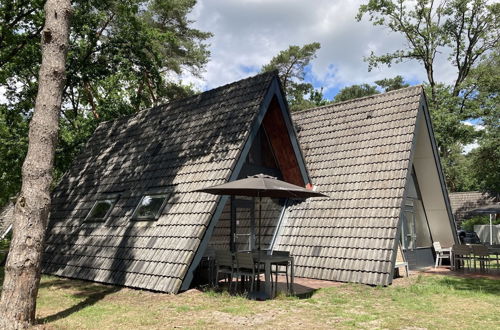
(22, 271)
(123, 56)
(468, 28)
(462, 30)
(291, 65)
(484, 82)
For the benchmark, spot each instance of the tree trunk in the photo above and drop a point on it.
(22, 272)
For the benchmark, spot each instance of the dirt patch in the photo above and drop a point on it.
(244, 320)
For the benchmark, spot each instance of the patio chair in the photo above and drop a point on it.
(462, 253)
(440, 254)
(224, 265)
(246, 267)
(481, 254)
(281, 268)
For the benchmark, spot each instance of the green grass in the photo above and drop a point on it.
(431, 301)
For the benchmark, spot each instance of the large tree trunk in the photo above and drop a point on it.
(22, 272)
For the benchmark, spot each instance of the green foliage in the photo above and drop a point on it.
(484, 83)
(486, 164)
(465, 29)
(291, 64)
(468, 225)
(315, 99)
(123, 56)
(448, 116)
(13, 148)
(392, 84)
(357, 91)
(354, 92)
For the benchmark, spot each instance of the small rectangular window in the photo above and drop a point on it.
(150, 207)
(100, 210)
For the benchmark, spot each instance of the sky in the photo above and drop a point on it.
(248, 33)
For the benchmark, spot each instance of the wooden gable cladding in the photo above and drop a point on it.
(279, 138)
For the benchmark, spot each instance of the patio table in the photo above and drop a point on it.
(495, 251)
(268, 260)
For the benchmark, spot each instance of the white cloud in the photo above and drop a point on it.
(248, 33)
(469, 147)
(3, 99)
(477, 127)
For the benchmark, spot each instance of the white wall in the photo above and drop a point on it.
(432, 193)
(483, 231)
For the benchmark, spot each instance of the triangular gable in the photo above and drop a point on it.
(274, 118)
(426, 215)
(361, 153)
(358, 153)
(426, 164)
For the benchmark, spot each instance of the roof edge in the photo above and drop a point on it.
(361, 98)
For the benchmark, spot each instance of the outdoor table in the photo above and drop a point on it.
(268, 260)
(495, 251)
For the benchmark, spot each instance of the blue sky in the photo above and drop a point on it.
(248, 33)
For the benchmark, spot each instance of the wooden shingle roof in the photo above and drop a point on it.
(175, 148)
(464, 202)
(358, 153)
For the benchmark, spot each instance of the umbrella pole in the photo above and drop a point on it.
(258, 249)
(260, 220)
(491, 228)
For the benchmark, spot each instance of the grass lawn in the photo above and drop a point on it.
(430, 301)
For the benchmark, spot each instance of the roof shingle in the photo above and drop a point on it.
(174, 148)
(358, 153)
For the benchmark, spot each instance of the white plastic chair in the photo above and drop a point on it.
(440, 254)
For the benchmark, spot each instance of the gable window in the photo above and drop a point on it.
(100, 211)
(150, 207)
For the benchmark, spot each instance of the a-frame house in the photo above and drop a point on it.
(126, 212)
(377, 159)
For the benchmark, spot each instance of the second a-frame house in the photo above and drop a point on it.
(126, 213)
(377, 159)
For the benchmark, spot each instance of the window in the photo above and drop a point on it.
(150, 207)
(100, 210)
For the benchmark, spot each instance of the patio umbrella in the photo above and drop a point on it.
(491, 210)
(261, 185)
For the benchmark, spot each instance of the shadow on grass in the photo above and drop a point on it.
(476, 285)
(300, 291)
(91, 293)
(1, 277)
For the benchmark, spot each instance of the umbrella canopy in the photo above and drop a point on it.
(261, 185)
(489, 209)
